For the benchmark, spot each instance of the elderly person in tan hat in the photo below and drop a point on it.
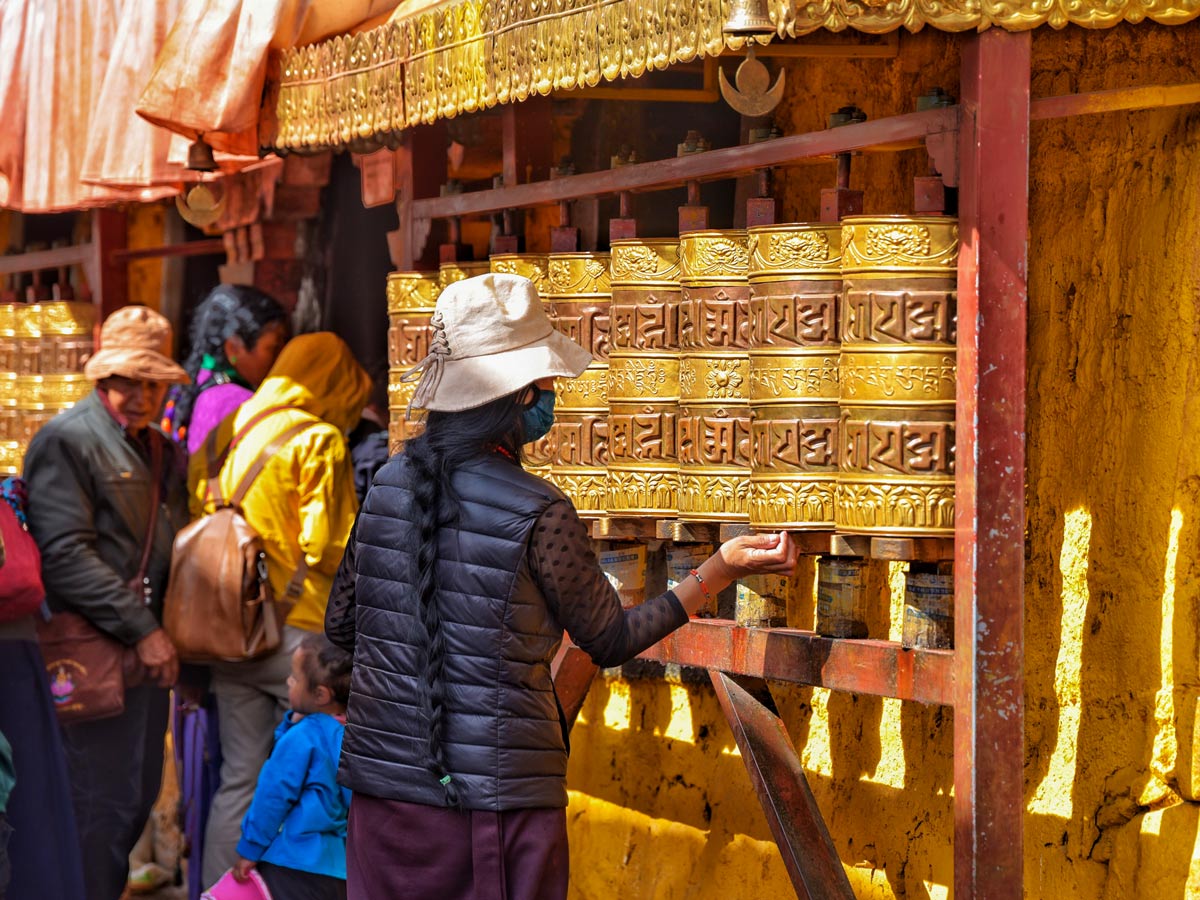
(106, 491)
(462, 573)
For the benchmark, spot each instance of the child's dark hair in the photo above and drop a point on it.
(326, 665)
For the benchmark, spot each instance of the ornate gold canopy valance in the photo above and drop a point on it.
(465, 55)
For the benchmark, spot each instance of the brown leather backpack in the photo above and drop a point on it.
(219, 603)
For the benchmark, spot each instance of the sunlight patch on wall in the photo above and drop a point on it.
(1053, 795)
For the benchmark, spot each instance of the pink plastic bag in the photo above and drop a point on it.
(229, 888)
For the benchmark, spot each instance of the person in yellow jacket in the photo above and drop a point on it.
(303, 505)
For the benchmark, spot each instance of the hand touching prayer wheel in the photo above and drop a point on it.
(795, 288)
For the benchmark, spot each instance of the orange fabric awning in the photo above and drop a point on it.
(209, 77)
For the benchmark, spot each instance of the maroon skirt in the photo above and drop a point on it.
(396, 849)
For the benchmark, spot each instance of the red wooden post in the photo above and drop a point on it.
(420, 172)
(990, 510)
(108, 275)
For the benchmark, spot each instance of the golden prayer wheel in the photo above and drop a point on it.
(643, 379)
(795, 288)
(54, 392)
(8, 337)
(714, 377)
(411, 297)
(527, 265)
(28, 334)
(536, 456)
(450, 272)
(579, 292)
(897, 375)
(66, 330)
(12, 455)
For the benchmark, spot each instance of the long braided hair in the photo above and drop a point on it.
(229, 310)
(450, 439)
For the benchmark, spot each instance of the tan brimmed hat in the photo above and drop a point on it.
(490, 337)
(135, 342)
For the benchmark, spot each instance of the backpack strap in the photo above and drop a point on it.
(216, 461)
(296, 583)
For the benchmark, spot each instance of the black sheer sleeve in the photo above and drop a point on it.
(582, 599)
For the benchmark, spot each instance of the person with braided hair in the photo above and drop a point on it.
(236, 334)
(460, 576)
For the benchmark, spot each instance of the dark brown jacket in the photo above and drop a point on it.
(89, 507)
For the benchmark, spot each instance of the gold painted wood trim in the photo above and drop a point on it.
(358, 90)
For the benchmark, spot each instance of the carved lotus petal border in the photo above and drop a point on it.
(461, 57)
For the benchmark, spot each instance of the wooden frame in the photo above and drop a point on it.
(982, 146)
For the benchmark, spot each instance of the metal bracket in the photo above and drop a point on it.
(778, 779)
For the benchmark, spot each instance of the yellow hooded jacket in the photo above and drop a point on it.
(303, 501)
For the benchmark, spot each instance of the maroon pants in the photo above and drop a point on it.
(418, 852)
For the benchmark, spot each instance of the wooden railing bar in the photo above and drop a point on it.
(881, 668)
(894, 133)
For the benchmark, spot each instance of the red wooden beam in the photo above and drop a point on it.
(881, 668)
(206, 247)
(893, 133)
(989, 795)
(778, 779)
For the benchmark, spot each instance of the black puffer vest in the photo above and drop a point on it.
(503, 737)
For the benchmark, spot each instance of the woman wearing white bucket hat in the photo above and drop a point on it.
(461, 575)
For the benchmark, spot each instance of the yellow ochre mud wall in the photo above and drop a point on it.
(661, 806)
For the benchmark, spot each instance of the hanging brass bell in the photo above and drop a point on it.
(200, 157)
(748, 18)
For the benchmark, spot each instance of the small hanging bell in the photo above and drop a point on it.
(200, 157)
(748, 18)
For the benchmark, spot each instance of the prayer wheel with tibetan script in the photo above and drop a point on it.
(410, 297)
(795, 287)
(67, 341)
(897, 375)
(643, 379)
(538, 454)
(714, 377)
(578, 289)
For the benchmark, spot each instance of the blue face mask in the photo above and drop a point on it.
(538, 416)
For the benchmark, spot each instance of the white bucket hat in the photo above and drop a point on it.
(490, 337)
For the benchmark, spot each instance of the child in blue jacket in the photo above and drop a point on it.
(295, 830)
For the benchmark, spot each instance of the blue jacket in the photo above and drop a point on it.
(298, 816)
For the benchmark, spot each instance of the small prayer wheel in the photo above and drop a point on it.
(795, 289)
(410, 301)
(643, 380)
(714, 377)
(841, 597)
(928, 610)
(579, 292)
(537, 455)
(897, 375)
